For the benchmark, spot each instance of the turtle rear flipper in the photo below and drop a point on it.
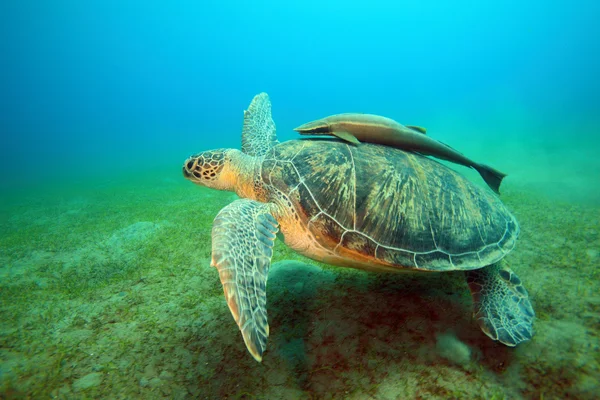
(501, 304)
(243, 235)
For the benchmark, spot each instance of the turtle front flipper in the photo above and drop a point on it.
(243, 235)
(501, 304)
(258, 135)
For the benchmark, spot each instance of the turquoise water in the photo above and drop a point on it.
(105, 275)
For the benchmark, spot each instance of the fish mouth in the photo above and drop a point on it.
(313, 128)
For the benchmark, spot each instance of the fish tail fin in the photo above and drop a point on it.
(492, 177)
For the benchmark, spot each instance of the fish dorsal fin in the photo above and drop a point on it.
(419, 129)
(347, 136)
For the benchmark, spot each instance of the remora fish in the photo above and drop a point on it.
(356, 128)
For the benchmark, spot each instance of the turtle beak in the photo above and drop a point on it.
(189, 166)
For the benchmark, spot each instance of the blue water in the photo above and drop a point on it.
(104, 86)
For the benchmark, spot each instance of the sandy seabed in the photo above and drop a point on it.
(106, 292)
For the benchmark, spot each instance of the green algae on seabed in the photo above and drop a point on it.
(107, 293)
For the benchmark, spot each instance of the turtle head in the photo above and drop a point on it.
(210, 168)
(222, 169)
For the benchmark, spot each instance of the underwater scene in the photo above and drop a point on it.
(212, 200)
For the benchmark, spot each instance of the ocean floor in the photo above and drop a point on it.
(106, 291)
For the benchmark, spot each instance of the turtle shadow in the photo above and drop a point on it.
(325, 324)
(337, 332)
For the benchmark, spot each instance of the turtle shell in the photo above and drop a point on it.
(388, 206)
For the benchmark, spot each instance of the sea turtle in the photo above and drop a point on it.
(371, 207)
